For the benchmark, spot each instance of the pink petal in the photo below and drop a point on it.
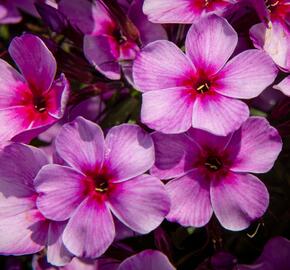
(284, 86)
(12, 85)
(238, 199)
(257, 137)
(175, 160)
(161, 64)
(246, 75)
(274, 41)
(190, 199)
(81, 264)
(230, 113)
(21, 234)
(210, 42)
(57, 97)
(129, 151)
(171, 11)
(61, 189)
(103, 53)
(147, 259)
(140, 203)
(35, 61)
(167, 110)
(13, 121)
(90, 230)
(57, 254)
(87, 138)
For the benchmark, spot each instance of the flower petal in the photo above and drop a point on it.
(103, 53)
(12, 85)
(284, 86)
(140, 203)
(36, 62)
(238, 199)
(57, 254)
(246, 75)
(147, 259)
(22, 234)
(129, 151)
(175, 160)
(210, 42)
(230, 113)
(161, 64)
(85, 136)
(171, 11)
(90, 230)
(190, 199)
(257, 137)
(61, 189)
(168, 110)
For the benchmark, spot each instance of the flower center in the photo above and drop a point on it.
(101, 184)
(119, 36)
(213, 163)
(271, 4)
(203, 87)
(39, 104)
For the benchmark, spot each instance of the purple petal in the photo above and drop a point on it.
(168, 110)
(230, 113)
(103, 52)
(12, 85)
(140, 203)
(85, 136)
(21, 234)
(284, 86)
(170, 11)
(238, 199)
(35, 61)
(190, 199)
(147, 259)
(210, 42)
(61, 189)
(129, 151)
(246, 75)
(257, 137)
(161, 64)
(57, 254)
(90, 230)
(175, 160)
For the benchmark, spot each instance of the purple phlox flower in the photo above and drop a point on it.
(210, 173)
(274, 36)
(9, 13)
(200, 88)
(275, 255)
(106, 45)
(183, 11)
(32, 101)
(105, 177)
(23, 229)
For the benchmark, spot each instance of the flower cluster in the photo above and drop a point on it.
(125, 122)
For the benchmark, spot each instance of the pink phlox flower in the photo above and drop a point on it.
(211, 173)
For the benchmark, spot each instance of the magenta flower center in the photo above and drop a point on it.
(119, 36)
(39, 104)
(213, 163)
(101, 184)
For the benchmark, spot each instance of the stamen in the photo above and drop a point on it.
(213, 164)
(203, 87)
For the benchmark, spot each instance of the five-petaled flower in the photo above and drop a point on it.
(211, 173)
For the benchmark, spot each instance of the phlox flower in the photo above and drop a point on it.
(103, 177)
(106, 42)
(23, 229)
(211, 173)
(183, 11)
(200, 88)
(32, 101)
